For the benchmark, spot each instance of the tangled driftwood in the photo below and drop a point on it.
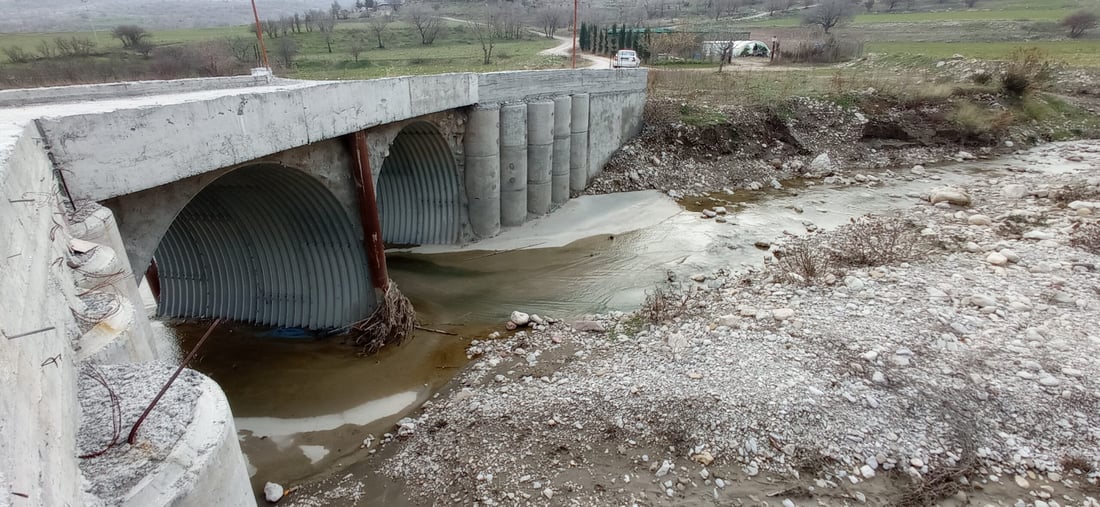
(391, 323)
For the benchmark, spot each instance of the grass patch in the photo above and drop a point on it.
(697, 116)
(1085, 53)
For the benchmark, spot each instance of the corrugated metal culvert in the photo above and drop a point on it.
(419, 194)
(265, 244)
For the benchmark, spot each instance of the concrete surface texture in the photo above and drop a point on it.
(67, 303)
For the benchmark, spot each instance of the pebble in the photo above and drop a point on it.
(866, 471)
(950, 196)
(1021, 481)
(996, 259)
(273, 492)
(979, 220)
(782, 313)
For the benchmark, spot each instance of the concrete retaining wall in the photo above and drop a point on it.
(38, 411)
(47, 306)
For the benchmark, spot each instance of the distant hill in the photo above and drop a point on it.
(72, 15)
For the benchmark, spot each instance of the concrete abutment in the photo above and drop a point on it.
(540, 155)
(513, 164)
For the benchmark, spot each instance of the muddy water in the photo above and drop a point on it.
(304, 406)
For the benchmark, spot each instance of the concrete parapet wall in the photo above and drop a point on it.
(159, 143)
(613, 120)
(80, 93)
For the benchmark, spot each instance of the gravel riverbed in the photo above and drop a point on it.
(968, 376)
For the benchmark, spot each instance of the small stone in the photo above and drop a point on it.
(854, 283)
(664, 469)
(1014, 191)
(695, 375)
(983, 300)
(721, 210)
(709, 214)
(979, 220)
(782, 313)
(728, 320)
(949, 195)
(878, 378)
(1054, 477)
(866, 471)
(720, 483)
(590, 326)
(1021, 481)
(1038, 235)
(699, 277)
(520, 318)
(548, 493)
(703, 458)
(1012, 256)
(273, 492)
(787, 502)
(996, 259)
(763, 245)
(965, 155)
(1049, 381)
(916, 462)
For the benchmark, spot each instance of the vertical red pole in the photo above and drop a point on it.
(575, 33)
(368, 212)
(260, 35)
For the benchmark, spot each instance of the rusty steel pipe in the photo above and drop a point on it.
(368, 211)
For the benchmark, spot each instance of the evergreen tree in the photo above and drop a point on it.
(581, 39)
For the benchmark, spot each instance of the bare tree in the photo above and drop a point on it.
(1079, 22)
(243, 50)
(428, 25)
(334, 9)
(869, 4)
(774, 5)
(129, 34)
(486, 35)
(890, 4)
(970, 3)
(358, 44)
(286, 50)
(550, 19)
(378, 26)
(829, 13)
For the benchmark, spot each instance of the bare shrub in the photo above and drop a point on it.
(130, 35)
(16, 54)
(981, 78)
(876, 241)
(1086, 237)
(829, 13)
(830, 50)
(1076, 462)
(1078, 191)
(1026, 71)
(663, 305)
(804, 260)
(943, 482)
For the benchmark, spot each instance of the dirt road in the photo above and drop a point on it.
(563, 49)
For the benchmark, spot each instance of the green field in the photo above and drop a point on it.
(330, 57)
(931, 17)
(1073, 52)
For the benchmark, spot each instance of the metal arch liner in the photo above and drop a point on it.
(419, 190)
(269, 245)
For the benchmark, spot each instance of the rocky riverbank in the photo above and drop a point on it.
(967, 374)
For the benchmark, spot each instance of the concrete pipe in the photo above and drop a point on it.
(482, 148)
(513, 164)
(559, 175)
(578, 143)
(540, 155)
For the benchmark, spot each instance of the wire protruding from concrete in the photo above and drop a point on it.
(183, 364)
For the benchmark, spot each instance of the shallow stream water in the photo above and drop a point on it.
(303, 406)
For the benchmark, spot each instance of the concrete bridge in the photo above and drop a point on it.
(247, 191)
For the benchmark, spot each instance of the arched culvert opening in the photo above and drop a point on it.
(419, 193)
(264, 244)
